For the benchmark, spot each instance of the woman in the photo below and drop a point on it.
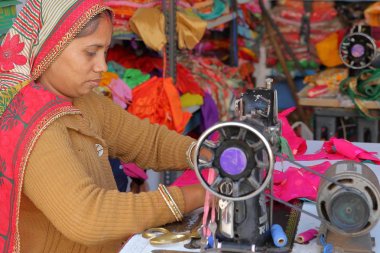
(58, 193)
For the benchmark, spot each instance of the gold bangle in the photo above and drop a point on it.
(189, 152)
(170, 205)
(170, 202)
(176, 208)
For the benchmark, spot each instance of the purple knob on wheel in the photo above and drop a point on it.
(357, 50)
(233, 161)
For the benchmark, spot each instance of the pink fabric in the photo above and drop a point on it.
(121, 93)
(189, 177)
(134, 171)
(340, 149)
(296, 143)
(132, 4)
(298, 182)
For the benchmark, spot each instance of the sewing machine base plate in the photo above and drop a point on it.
(346, 244)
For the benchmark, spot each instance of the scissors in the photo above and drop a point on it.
(160, 236)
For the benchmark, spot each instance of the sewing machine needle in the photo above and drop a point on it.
(213, 226)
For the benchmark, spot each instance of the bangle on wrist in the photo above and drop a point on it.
(170, 202)
(189, 153)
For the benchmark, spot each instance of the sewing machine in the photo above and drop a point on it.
(358, 49)
(242, 162)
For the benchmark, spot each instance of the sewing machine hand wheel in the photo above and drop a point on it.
(241, 157)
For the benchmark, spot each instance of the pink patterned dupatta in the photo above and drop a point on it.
(29, 113)
(42, 30)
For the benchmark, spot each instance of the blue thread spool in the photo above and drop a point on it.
(278, 236)
(327, 247)
(210, 242)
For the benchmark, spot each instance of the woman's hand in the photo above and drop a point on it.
(194, 196)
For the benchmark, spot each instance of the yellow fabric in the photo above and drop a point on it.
(330, 77)
(149, 24)
(190, 30)
(328, 51)
(189, 99)
(90, 215)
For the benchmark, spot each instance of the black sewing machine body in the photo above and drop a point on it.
(243, 159)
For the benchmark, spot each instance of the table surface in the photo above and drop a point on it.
(137, 244)
(335, 102)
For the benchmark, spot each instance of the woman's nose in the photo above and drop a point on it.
(100, 66)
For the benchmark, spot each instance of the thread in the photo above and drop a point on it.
(306, 236)
(327, 247)
(278, 236)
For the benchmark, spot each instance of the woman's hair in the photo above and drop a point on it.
(91, 26)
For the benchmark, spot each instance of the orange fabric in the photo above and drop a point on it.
(158, 100)
(124, 11)
(328, 50)
(372, 14)
(107, 78)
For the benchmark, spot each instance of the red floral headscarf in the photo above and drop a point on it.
(41, 31)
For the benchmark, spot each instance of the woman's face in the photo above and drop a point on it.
(78, 69)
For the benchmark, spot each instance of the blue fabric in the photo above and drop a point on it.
(119, 175)
(285, 99)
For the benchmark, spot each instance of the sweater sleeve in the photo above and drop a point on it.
(149, 145)
(57, 182)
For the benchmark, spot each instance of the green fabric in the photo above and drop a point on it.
(285, 148)
(132, 77)
(217, 11)
(4, 3)
(7, 14)
(305, 64)
(116, 68)
(367, 88)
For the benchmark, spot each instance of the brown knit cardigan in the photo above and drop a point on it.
(70, 202)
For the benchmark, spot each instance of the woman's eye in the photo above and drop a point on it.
(90, 53)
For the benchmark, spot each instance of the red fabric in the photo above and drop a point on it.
(158, 100)
(298, 182)
(316, 16)
(10, 53)
(186, 82)
(297, 144)
(20, 125)
(340, 149)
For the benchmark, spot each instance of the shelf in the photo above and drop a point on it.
(221, 20)
(130, 36)
(334, 102)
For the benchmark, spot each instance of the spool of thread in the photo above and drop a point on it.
(327, 247)
(278, 236)
(306, 236)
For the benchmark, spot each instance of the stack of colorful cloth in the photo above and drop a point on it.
(124, 10)
(289, 16)
(222, 82)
